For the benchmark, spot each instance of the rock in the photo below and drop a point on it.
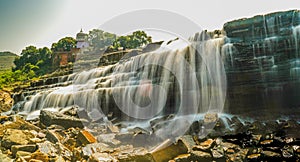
(138, 154)
(182, 158)
(27, 148)
(217, 152)
(204, 145)
(101, 157)
(201, 156)
(5, 158)
(84, 137)
(20, 124)
(188, 141)
(168, 150)
(89, 149)
(254, 157)
(239, 156)
(52, 136)
(266, 142)
(287, 152)
(271, 155)
(108, 139)
(23, 154)
(39, 156)
(15, 137)
(6, 102)
(210, 118)
(48, 118)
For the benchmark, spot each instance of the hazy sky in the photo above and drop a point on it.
(42, 22)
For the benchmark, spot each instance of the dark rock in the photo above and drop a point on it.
(217, 152)
(204, 146)
(287, 152)
(27, 148)
(201, 156)
(168, 151)
(182, 158)
(48, 118)
(269, 155)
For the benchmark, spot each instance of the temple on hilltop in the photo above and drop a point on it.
(62, 57)
(81, 40)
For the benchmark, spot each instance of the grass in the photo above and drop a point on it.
(6, 60)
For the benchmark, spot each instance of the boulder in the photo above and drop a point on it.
(6, 102)
(48, 118)
(28, 148)
(15, 137)
(84, 137)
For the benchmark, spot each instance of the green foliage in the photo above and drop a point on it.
(9, 78)
(135, 40)
(64, 44)
(100, 39)
(34, 61)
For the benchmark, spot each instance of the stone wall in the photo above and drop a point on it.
(263, 64)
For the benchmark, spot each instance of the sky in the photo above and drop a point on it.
(42, 22)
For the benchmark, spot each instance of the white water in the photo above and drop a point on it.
(192, 76)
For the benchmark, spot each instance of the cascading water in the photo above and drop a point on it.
(186, 81)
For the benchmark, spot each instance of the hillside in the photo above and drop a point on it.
(6, 60)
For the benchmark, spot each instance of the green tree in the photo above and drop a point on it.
(135, 40)
(34, 60)
(100, 39)
(65, 44)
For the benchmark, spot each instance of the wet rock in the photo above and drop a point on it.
(182, 158)
(89, 149)
(200, 155)
(204, 145)
(6, 102)
(217, 152)
(15, 137)
(48, 118)
(210, 118)
(287, 152)
(84, 137)
(270, 155)
(227, 145)
(239, 156)
(266, 142)
(27, 148)
(254, 157)
(108, 139)
(188, 141)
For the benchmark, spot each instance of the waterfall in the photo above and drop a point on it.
(183, 78)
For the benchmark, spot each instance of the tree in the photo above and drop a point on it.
(100, 39)
(135, 40)
(34, 60)
(65, 44)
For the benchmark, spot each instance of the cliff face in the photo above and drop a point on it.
(262, 57)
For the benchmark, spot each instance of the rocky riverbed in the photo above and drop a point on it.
(62, 136)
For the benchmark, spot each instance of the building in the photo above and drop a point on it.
(63, 57)
(81, 40)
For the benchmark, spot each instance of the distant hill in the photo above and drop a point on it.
(6, 60)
